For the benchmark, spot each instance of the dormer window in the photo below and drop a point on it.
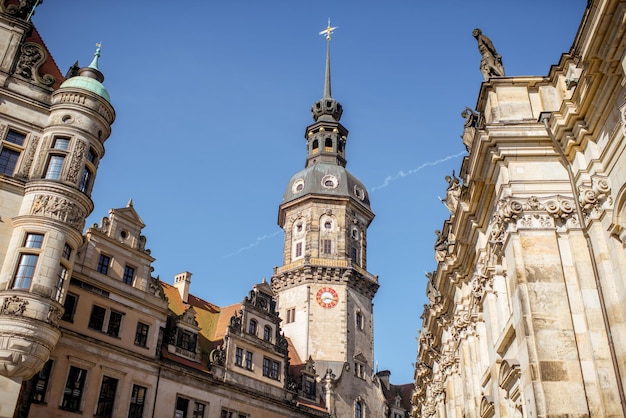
(186, 340)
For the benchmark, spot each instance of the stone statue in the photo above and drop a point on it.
(469, 127)
(491, 62)
(453, 193)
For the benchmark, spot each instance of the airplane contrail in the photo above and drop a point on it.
(386, 183)
(403, 173)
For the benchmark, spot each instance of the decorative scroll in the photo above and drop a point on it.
(31, 59)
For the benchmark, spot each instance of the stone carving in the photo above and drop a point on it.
(491, 62)
(54, 315)
(189, 317)
(533, 212)
(441, 245)
(77, 162)
(463, 325)
(31, 59)
(593, 198)
(25, 9)
(45, 144)
(453, 193)
(29, 156)
(235, 323)
(14, 305)
(58, 208)
(469, 127)
(156, 288)
(217, 356)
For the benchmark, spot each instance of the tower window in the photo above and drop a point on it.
(33, 241)
(55, 166)
(25, 271)
(298, 249)
(328, 145)
(354, 254)
(315, 146)
(61, 143)
(84, 180)
(359, 321)
(358, 410)
(326, 246)
(291, 315)
(60, 281)
(91, 156)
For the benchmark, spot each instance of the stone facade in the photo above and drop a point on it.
(525, 307)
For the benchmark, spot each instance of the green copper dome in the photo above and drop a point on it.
(88, 83)
(89, 78)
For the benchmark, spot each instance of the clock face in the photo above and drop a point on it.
(327, 297)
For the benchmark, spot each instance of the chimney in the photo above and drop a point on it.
(182, 282)
(384, 377)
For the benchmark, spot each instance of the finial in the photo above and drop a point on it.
(328, 31)
(130, 203)
(96, 55)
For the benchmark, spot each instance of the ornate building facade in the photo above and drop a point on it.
(525, 313)
(85, 328)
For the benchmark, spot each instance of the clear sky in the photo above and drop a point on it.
(213, 97)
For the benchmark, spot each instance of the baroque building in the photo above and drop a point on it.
(525, 308)
(85, 327)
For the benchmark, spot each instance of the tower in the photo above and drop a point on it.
(324, 289)
(48, 161)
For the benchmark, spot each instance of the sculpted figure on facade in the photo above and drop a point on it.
(453, 193)
(491, 62)
(470, 125)
(441, 245)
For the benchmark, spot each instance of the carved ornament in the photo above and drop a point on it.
(14, 305)
(31, 59)
(59, 208)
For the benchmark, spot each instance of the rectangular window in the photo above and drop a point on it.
(73, 391)
(15, 138)
(33, 241)
(309, 388)
(103, 264)
(106, 398)
(67, 252)
(71, 302)
(186, 340)
(298, 249)
(326, 246)
(96, 319)
(55, 166)
(84, 180)
(137, 400)
(239, 356)
(91, 156)
(129, 274)
(231, 414)
(291, 315)
(354, 254)
(115, 323)
(41, 380)
(182, 405)
(249, 360)
(198, 410)
(58, 291)
(271, 368)
(61, 143)
(25, 271)
(141, 334)
(8, 161)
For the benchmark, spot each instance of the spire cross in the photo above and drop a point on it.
(328, 31)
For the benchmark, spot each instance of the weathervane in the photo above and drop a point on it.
(328, 31)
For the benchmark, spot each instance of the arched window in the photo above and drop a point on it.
(328, 145)
(252, 327)
(358, 410)
(267, 333)
(315, 146)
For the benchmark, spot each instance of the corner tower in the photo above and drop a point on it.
(324, 290)
(52, 134)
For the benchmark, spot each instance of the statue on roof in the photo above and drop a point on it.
(491, 62)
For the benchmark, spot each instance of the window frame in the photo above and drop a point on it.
(68, 314)
(73, 390)
(41, 381)
(141, 334)
(12, 150)
(267, 333)
(114, 326)
(253, 326)
(248, 360)
(135, 406)
(126, 277)
(102, 267)
(327, 246)
(106, 397)
(54, 167)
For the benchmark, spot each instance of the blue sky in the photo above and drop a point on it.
(212, 99)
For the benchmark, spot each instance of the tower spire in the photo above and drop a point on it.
(328, 31)
(327, 108)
